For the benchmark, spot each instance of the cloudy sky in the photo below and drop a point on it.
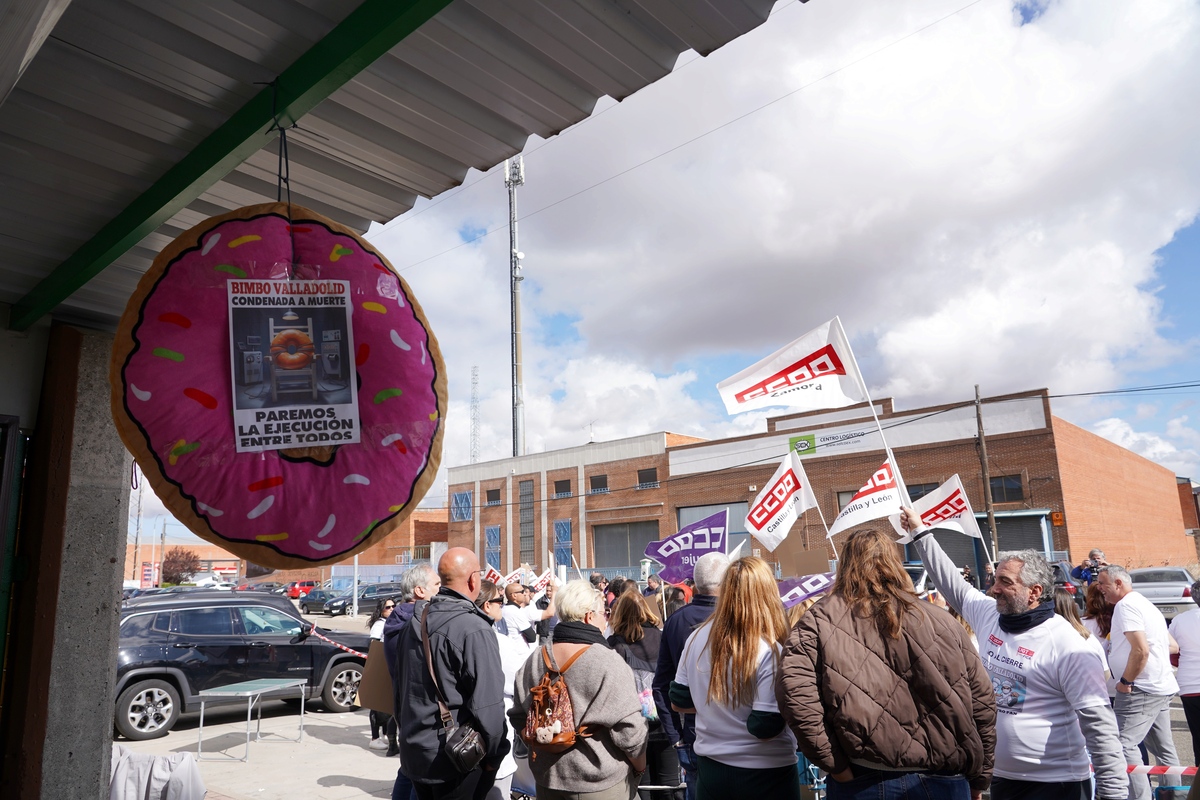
(985, 192)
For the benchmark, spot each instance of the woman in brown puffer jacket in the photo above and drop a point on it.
(884, 691)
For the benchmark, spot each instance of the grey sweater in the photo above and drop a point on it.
(605, 699)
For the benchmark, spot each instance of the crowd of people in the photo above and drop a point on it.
(712, 689)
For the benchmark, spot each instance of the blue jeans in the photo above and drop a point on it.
(403, 788)
(689, 766)
(869, 784)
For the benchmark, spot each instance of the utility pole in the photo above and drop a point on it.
(137, 536)
(987, 477)
(162, 550)
(474, 415)
(514, 176)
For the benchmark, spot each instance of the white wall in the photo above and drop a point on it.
(22, 358)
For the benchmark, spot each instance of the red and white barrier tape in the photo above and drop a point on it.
(349, 650)
(1170, 772)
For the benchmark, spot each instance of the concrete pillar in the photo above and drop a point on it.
(73, 536)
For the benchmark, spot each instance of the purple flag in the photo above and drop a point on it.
(678, 554)
(796, 590)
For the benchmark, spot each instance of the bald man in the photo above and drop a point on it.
(466, 658)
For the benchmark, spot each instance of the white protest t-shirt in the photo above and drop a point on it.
(1186, 630)
(1102, 644)
(720, 730)
(515, 620)
(1134, 612)
(1040, 677)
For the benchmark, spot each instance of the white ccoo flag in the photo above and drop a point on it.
(945, 507)
(786, 497)
(815, 371)
(879, 498)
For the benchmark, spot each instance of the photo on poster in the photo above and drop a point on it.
(291, 353)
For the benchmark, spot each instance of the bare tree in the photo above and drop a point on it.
(179, 565)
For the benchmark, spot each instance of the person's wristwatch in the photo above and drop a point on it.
(1126, 683)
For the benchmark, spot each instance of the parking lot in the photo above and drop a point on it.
(332, 761)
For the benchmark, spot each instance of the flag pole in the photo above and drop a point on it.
(821, 513)
(577, 569)
(862, 384)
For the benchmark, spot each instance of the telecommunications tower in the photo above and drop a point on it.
(474, 415)
(514, 176)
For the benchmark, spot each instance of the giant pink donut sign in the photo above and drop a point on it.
(280, 387)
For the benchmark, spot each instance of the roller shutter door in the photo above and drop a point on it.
(1019, 533)
(623, 544)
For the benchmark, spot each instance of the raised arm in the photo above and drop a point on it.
(960, 595)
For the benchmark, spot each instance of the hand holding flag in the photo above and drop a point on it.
(945, 507)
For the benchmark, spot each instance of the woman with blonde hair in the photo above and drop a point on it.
(726, 677)
(884, 692)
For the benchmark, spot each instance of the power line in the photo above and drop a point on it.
(458, 190)
(698, 137)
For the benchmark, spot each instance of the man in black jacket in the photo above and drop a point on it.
(466, 658)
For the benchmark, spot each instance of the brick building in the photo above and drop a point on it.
(405, 546)
(599, 504)
(1056, 487)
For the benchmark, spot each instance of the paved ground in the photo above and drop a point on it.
(332, 762)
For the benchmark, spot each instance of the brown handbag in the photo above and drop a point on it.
(550, 724)
(462, 744)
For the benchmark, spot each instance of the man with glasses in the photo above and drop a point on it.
(520, 614)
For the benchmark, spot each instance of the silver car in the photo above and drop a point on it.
(1169, 588)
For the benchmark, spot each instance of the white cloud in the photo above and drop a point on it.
(1145, 411)
(1178, 429)
(1183, 461)
(981, 203)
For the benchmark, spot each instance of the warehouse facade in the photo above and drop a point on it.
(1056, 488)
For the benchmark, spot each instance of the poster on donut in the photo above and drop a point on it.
(290, 353)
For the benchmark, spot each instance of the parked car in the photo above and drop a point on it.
(1063, 580)
(1169, 588)
(172, 648)
(920, 577)
(268, 586)
(314, 602)
(368, 596)
(158, 591)
(297, 589)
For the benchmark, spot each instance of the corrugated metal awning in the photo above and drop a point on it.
(122, 91)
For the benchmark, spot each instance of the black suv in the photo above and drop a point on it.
(368, 598)
(173, 646)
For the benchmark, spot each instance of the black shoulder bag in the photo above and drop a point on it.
(462, 744)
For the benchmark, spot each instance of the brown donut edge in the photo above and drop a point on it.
(135, 441)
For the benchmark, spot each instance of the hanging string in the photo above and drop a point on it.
(283, 170)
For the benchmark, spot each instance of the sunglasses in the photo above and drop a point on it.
(497, 600)
(389, 606)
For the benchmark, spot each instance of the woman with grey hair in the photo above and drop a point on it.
(608, 762)
(1186, 630)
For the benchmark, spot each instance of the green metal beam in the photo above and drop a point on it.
(367, 33)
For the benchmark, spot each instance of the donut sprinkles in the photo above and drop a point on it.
(172, 392)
